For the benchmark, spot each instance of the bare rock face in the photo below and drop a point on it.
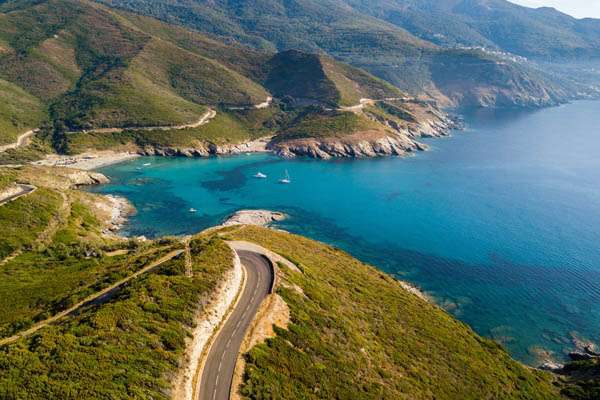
(84, 178)
(207, 149)
(347, 148)
(254, 217)
(398, 136)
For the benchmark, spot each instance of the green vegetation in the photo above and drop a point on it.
(543, 33)
(396, 41)
(36, 150)
(23, 220)
(314, 123)
(582, 380)
(19, 112)
(125, 345)
(320, 79)
(94, 67)
(355, 333)
(228, 127)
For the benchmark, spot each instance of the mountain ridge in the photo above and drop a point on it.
(365, 39)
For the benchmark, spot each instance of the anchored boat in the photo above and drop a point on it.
(286, 180)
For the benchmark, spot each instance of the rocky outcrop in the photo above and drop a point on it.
(207, 149)
(552, 366)
(352, 147)
(84, 178)
(404, 122)
(254, 217)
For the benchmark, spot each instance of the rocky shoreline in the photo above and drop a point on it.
(208, 149)
(254, 217)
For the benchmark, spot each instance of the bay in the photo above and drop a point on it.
(499, 223)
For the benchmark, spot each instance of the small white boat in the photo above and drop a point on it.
(260, 175)
(147, 164)
(287, 179)
(193, 210)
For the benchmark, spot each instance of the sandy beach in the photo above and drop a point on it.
(87, 161)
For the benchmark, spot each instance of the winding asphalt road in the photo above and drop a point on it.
(218, 370)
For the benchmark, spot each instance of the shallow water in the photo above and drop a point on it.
(499, 223)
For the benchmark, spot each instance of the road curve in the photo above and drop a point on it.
(217, 374)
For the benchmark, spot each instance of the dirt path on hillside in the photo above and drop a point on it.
(90, 299)
(369, 102)
(204, 119)
(22, 140)
(45, 237)
(20, 190)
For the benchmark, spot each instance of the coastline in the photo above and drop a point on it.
(87, 161)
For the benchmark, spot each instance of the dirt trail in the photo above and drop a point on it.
(20, 191)
(188, 258)
(45, 237)
(88, 299)
(369, 102)
(22, 140)
(205, 119)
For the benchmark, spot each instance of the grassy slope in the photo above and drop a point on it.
(19, 112)
(359, 36)
(59, 266)
(356, 334)
(24, 219)
(97, 68)
(354, 84)
(130, 345)
(226, 128)
(333, 124)
(322, 79)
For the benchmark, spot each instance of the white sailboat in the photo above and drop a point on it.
(193, 210)
(260, 175)
(287, 179)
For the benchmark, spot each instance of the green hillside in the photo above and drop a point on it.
(125, 345)
(355, 333)
(320, 79)
(93, 67)
(543, 33)
(19, 112)
(369, 35)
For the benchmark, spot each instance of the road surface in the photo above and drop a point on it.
(23, 190)
(217, 374)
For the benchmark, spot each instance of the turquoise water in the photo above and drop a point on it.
(500, 223)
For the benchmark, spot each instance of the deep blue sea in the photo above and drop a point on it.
(499, 223)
